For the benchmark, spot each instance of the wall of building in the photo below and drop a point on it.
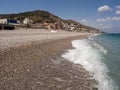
(9, 21)
(27, 21)
(3, 21)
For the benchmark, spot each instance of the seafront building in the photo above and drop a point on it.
(8, 24)
(3, 21)
(9, 21)
(27, 21)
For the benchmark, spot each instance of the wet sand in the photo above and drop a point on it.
(36, 64)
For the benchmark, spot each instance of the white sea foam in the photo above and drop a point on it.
(89, 54)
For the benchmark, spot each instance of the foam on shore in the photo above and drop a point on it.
(89, 54)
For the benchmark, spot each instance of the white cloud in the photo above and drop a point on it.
(84, 21)
(104, 19)
(107, 19)
(115, 18)
(104, 8)
(117, 12)
(118, 6)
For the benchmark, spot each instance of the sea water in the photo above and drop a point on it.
(100, 55)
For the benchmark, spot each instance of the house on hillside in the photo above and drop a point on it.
(27, 21)
(69, 26)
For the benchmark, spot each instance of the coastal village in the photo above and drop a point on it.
(51, 23)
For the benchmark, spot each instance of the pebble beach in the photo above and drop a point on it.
(31, 60)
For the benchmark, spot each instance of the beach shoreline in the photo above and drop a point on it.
(38, 65)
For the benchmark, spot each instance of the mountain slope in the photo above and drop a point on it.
(37, 16)
(40, 16)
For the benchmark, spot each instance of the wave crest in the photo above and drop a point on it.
(90, 54)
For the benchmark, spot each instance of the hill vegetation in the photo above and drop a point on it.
(40, 16)
(37, 16)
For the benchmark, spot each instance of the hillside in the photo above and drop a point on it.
(37, 16)
(41, 17)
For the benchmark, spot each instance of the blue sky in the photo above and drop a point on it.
(103, 14)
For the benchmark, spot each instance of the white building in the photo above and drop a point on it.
(3, 21)
(27, 21)
(9, 21)
(72, 27)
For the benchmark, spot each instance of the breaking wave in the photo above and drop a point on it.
(90, 54)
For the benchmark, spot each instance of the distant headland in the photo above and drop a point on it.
(40, 19)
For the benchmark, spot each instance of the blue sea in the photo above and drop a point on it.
(100, 55)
